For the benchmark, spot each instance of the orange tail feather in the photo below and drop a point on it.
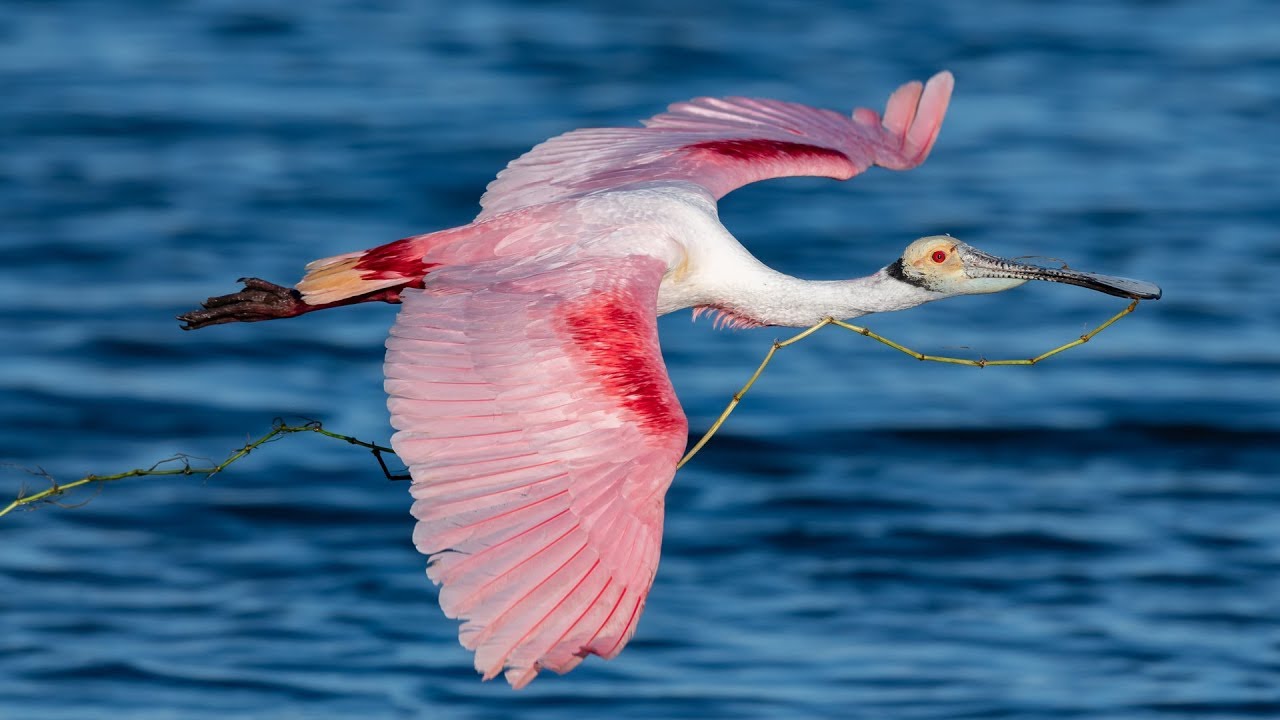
(349, 275)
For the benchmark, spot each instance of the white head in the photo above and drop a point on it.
(942, 264)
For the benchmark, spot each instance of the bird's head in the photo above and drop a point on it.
(944, 265)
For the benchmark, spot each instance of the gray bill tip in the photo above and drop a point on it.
(1121, 287)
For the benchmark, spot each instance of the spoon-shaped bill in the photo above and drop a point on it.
(982, 265)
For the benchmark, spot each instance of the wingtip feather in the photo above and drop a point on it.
(912, 119)
(932, 107)
(900, 111)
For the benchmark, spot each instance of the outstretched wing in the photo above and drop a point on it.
(723, 144)
(541, 431)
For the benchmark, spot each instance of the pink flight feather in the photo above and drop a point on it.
(687, 143)
(539, 486)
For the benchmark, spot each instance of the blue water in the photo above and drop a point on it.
(870, 537)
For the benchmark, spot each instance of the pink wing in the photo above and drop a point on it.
(723, 144)
(536, 417)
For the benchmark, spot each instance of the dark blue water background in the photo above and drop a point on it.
(1096, 537)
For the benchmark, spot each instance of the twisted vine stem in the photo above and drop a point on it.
(182, 465)
(979, 363)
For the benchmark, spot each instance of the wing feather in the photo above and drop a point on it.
(541, 432)
(721, 144)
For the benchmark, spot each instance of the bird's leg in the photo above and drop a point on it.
(259, 300)
(262, 300)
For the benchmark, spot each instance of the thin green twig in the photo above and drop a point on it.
(181, 464)
(184, 466)
(779, 344)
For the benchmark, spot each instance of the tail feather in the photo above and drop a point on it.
(334, 279)
(337, 278)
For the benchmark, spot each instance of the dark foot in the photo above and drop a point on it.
(260, 300)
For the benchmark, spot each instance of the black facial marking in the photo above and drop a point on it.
(895, 271)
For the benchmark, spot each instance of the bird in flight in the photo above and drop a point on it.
(527, 389)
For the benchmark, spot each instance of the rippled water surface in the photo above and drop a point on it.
(1095, 537)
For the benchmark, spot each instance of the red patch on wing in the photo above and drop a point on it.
(620, 344)
(762, 149)
(399, 259)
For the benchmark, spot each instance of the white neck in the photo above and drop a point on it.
(772, 298)
(711, 269)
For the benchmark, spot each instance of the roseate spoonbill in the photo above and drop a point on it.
(529, 396)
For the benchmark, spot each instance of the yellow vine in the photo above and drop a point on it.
(182, 465)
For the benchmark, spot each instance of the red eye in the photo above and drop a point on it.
(939, 256)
